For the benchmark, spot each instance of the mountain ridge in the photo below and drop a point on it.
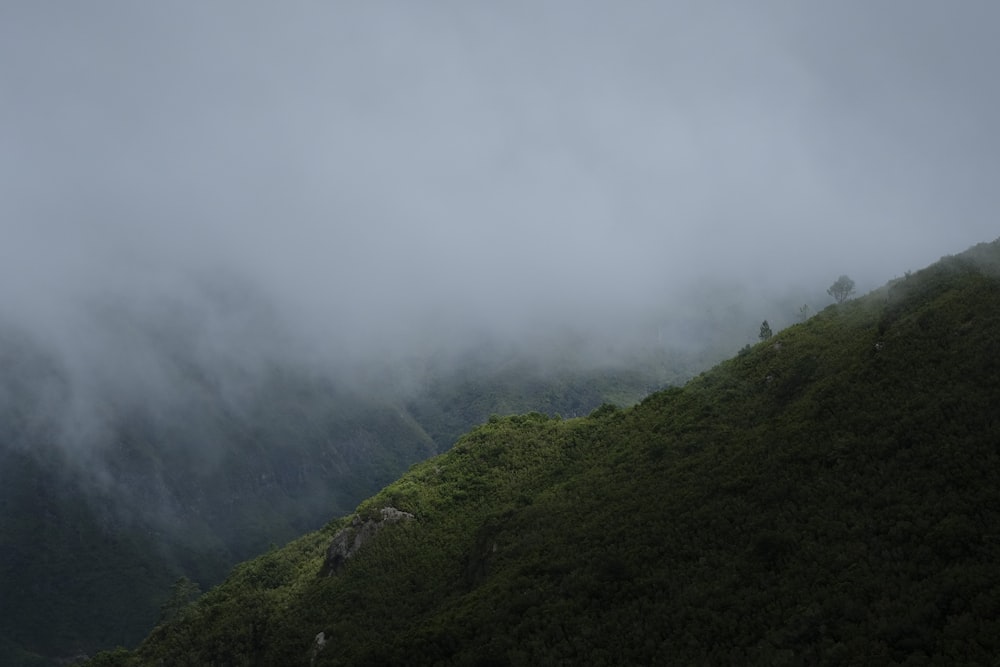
(109, 501)
(828, 496)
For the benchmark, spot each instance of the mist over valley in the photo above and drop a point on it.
(257, 261)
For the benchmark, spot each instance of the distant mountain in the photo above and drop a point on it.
(828, 496)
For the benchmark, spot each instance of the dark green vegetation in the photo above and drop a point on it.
(96, 530)
(831, 496)
(189, 497)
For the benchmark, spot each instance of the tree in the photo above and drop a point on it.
(765, 330)
(804, 312)
(182, 594)
(842, 289)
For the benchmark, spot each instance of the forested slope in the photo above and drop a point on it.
(95, 529)
(830, 496)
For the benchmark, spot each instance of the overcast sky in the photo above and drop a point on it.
(370, 164)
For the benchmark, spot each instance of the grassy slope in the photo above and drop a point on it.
(830, 497)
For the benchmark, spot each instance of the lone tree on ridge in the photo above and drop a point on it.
(842, 289)
(765, 330)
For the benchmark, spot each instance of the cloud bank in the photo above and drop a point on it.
(392, 175)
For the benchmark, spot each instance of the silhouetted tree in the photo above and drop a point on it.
(765, 330)
(182, 594)
(842, 289)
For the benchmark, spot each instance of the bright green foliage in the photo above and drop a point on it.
(830, 497)
(469, 395)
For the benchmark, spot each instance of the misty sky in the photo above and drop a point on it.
(370, 165)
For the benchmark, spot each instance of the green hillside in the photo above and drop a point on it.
(93, 534)
(830, 496)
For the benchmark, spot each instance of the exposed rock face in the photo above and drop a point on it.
(347, 542)
(319, 643)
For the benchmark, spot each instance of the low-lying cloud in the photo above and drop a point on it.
(391, 178)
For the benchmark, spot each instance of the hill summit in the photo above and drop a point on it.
(828, 496)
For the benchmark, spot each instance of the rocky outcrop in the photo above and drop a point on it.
(319, 643)
(349, 540)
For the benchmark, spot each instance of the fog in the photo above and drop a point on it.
(370, 181)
